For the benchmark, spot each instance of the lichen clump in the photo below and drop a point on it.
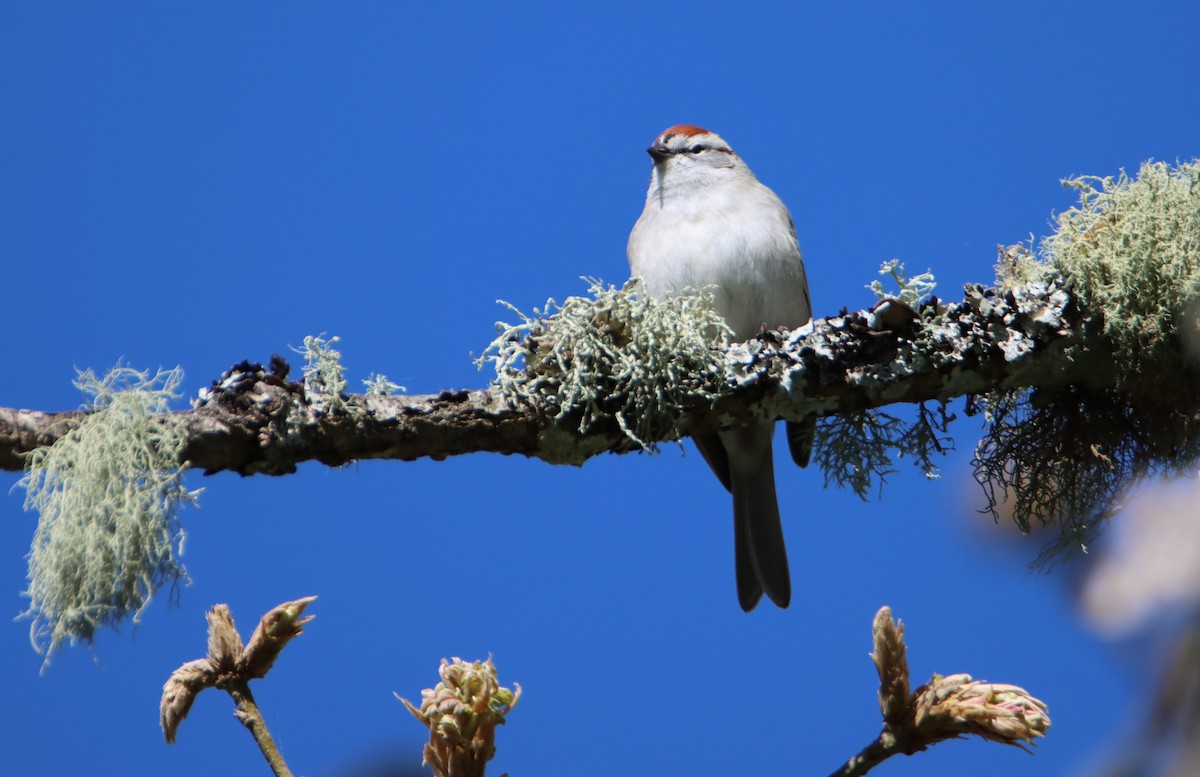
(106, 494)
(1131, 251)
(1133, 247)
(324, 375)
(616, 356)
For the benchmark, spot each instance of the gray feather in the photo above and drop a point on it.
(759, 551)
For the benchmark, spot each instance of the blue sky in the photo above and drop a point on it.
(190, 184)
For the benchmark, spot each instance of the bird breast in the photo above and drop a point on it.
(744, 245)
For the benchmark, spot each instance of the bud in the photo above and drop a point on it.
(180, 690)
(274, 631)
(224, 643)
(891, 663)
(462, 713)
(956, 706)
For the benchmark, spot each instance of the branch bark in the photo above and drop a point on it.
(256, 421)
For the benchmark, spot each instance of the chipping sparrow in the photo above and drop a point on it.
(708, 221)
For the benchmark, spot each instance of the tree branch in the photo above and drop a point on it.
(257, 421)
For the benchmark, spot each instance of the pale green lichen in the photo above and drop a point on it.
(106, 494)
(324, 376)
(911, 291)
(617, 356)
(1017, 266)
(380, 386)
(1132, 246)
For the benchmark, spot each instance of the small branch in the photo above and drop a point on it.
(869, 757)
(950, 707)
(250, 716)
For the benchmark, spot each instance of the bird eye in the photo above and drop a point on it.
(695, 149)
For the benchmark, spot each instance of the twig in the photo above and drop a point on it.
(251, 717)
(944, 708)
(231, 666)
(869, 757)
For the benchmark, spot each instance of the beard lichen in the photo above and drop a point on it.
(106, 495)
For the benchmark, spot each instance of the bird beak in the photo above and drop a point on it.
(658, 152)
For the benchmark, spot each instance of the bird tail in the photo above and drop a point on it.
(760, 553)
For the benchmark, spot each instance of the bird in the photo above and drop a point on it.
(708, 221)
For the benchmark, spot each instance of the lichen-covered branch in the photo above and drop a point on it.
(257, 420)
